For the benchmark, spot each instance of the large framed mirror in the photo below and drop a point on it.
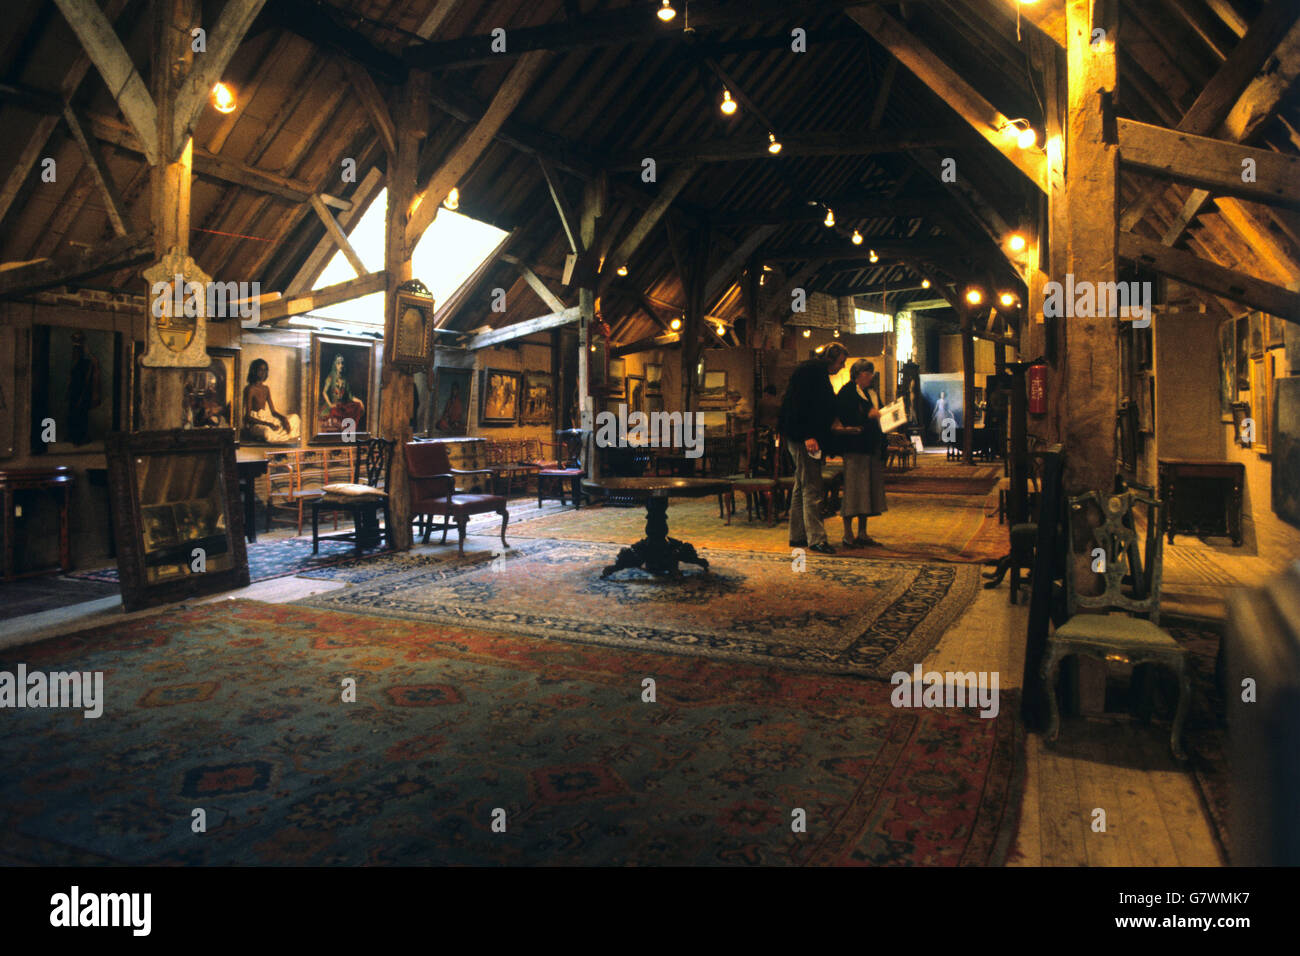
(176, 514)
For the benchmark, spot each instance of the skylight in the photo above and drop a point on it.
(450, 249)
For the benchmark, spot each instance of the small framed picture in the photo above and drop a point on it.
(412, 330)
(654, 376)
(617, 373)
(500, 391)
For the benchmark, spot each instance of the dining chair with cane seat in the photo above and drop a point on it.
(362, 498)
(1108, 530)
(434, 494)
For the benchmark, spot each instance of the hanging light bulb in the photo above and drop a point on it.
(675, 324)
(1016, 242)
(1026, 138)
(773, 146)
(622, 270)
(974, 296)
(452, 201)
(666, 12)
(836, 333)
(873, 257)
(223, 100)
(829, 221)
(728, 104)
(807, 333)
(857, 238)
(925, 283)
(1007, 299)
(721, 328)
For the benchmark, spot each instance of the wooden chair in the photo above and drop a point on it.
(363, 497)
(724, 454)
(1112, 538)
(759, 484)
(900, 453)
(434, 494)
(551, 482)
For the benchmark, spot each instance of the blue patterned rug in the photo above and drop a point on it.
(869, 618)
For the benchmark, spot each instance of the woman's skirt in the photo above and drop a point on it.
(864, 485)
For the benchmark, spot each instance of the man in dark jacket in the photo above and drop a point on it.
(807, 412)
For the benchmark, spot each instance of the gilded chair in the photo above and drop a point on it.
(1112, 549)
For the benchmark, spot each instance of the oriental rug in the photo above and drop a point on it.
(235, 708)
(868, 618)
(916, 527)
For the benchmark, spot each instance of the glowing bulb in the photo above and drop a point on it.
(223, 100)
(807, 333)
(1016, 242)
(1007, 299)
(974, 297)
(857, 238)
(666, 12)
(925, 283)
(721, 328)
(1026, 138)
(773, 146)
(829, 221)
(452, 201)
(873, 257)
(728, 104)
(675, 324)
(593, 348)
(622, 270)
(836, 333)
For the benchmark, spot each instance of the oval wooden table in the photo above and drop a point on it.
(656, 552)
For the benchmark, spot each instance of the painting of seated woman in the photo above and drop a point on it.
(342, 370)
(263, 422)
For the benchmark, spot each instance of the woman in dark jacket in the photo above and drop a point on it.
(862, 443)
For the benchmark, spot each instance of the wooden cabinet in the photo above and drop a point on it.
(1202, 497)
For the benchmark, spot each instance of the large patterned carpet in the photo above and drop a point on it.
(871, 618)
(234, 708)
(922, 527)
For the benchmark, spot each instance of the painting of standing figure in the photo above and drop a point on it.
(75, 400)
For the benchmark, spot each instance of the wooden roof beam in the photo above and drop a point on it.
(222, 42)
(645, 225)
(337, 234)
(291, 305)
(1211, 277)
(372, 98)
(631, 24)
(937, 248)
(98, 169)
(118, 253)
(319, 257)
(945, 82)
(527, 327)
(105, 50)
(429, 197)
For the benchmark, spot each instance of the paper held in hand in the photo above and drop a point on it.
(892, 416)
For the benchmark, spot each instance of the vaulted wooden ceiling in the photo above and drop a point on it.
(316, 80)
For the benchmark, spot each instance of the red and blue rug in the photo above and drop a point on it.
(236, 709)
(267, 558)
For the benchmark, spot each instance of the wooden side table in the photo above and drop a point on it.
(1202, 496)
(59, 480)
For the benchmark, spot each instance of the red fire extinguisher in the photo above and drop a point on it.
(1037, 378)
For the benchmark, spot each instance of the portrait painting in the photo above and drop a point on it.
(451, 402)
(943, 398)
(500, 396)
(1242, 340)
(75, 399)
(270, 395)
(1227, 369)
(1286, 449)
(342, 395)
(539, 400)
(210, 394)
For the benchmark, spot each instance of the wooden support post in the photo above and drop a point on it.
(968, 387)
(694, 316)
(593, 208)
(397, 386)
(1092, 192)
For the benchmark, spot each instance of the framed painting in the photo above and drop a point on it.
(176, 514)
(451, 402)
(1261, 401)
(270, 404)
(342, 388)
(75, 400)
(210, 394)
(1258, 332)
(654, 377)
(1286, 448)
(1227, 369)
(539, 399)
(412, 330)
(615, 383)
(654, 403)
(500, 397)
(1275, 334)
(636, 393)
(597, 370)
(1241, 338)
